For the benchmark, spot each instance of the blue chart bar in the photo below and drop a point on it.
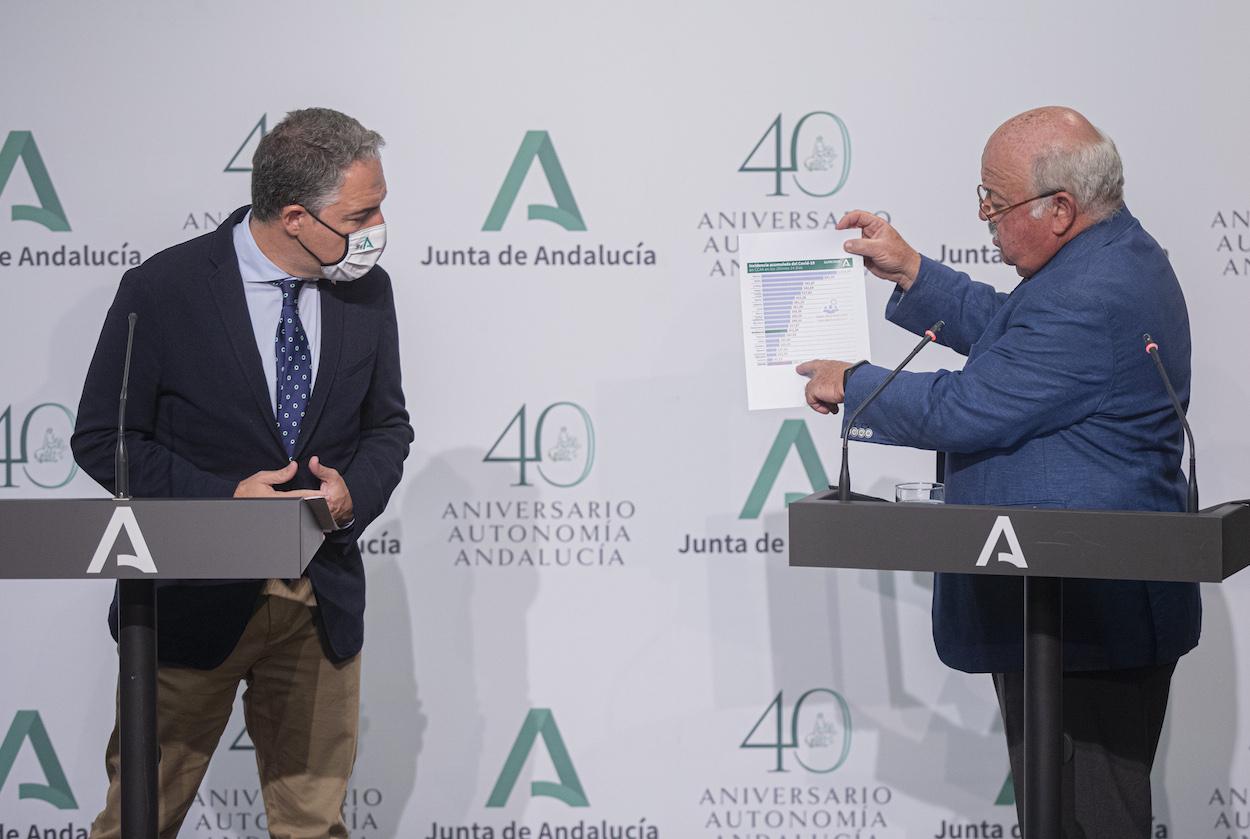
(796, 316)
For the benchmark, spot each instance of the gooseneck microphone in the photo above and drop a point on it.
(121, 461)
(844, 480)
(136, 672)
(1152, 349)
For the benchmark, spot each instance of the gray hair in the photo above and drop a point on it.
(303, 159)
(1092, 172)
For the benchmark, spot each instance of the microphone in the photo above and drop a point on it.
(121, 461)
(1152, 349)
(844, 480)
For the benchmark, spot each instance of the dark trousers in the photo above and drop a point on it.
(1111, 722)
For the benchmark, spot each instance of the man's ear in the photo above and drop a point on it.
(294, 218)
(1063, 212)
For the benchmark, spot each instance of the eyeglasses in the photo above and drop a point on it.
(984, 195)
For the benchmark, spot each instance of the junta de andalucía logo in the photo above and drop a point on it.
(793, 434)
(28, 728)
(540, 723)
(20, 147)
(537, 145)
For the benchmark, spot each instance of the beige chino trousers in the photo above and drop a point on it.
(302, 712)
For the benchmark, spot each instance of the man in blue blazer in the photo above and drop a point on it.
(1057, 406)
(266, 363)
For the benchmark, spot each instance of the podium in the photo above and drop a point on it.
(140, 542)
(1043, 546)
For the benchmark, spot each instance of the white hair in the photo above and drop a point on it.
(1092, 173)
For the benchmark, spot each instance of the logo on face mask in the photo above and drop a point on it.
(537, 144)
(361, 251)
(20, 145)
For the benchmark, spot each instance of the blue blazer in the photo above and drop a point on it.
(1058, 406)
(199, 420)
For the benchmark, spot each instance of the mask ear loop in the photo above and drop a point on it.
(346, 242)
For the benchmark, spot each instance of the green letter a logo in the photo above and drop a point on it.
(540, 721)
(1006, 795)
(793, 433)
(28, 726)
(20, 145)
(565, 213)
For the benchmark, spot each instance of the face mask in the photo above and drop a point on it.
(361, 252)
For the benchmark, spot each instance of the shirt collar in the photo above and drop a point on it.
(253, 264)
(1092, 238)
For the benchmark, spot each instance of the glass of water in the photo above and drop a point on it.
(922, 492)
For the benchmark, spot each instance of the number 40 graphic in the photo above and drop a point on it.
(41, 450)
(817, 160)
(831, 735)
(565, 447)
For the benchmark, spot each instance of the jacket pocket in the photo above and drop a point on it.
(357, 366)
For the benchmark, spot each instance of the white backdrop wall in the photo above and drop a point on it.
(659, 667)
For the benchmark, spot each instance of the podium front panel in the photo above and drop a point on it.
(1020, 541)
(166, 538)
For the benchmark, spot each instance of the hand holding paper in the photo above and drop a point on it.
(803, 297)
(885, 253)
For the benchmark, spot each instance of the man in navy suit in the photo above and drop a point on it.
(266, 363)
(1057, 406)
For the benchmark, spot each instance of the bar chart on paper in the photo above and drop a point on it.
(796, 309)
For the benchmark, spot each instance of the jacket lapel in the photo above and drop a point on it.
(227, 292)
(332, 308)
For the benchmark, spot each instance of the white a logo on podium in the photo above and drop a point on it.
(141, 559)
(1014, 554)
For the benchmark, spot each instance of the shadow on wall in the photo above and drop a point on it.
(940, 740)
(471, 643)
(67, 361)
(50, 460)
(392, 722)
(867, 635)
(1196, 751)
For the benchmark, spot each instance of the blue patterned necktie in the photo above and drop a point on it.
(290, 347)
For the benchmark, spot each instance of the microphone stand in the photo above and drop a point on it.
(136, 652)
(1152, 349)
(844, 479)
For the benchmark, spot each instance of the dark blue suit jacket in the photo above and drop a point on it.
(1058, 406)
(200, 420)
